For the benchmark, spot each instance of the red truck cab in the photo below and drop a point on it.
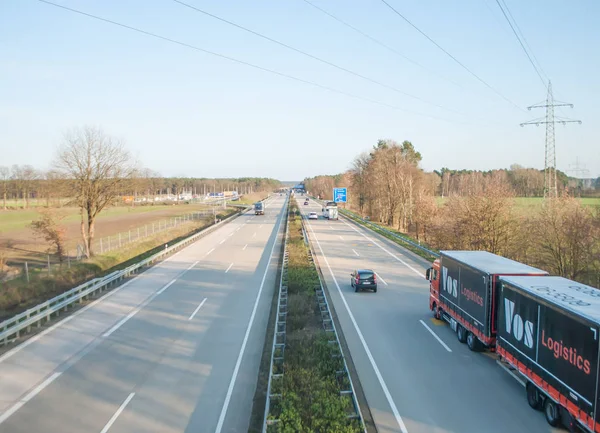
(432, 274)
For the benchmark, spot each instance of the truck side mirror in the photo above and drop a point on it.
(428, 274)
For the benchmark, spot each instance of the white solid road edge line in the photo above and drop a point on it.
(229, 267)
(382, 383)
(117, 413)
(512, 373)
(35, 338)
(28, 397)
(390, 253)
(197, 309)
(382, 280)
(245, 341)
(435, 335)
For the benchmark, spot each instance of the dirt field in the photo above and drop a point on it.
(18, 243)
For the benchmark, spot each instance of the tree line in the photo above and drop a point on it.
(473, 210)
(92, 170)
(21, 184)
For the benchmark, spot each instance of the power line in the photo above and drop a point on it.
(242, 62)
(525, 40)
(378, 42)
(520, 41)
(304, 53)
(450, 55)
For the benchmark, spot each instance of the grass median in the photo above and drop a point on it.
(310, 388)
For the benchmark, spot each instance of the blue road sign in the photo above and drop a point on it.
(339, 195)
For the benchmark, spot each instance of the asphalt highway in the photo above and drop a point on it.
(416, 375)
(176, 349)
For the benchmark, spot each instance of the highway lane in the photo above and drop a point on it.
(170, 352)
(414, 382)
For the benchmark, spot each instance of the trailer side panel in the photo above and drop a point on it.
(467, 292)
(556, 345)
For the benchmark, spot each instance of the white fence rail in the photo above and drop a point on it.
(12, 328)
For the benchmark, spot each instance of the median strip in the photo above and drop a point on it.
(310, 390)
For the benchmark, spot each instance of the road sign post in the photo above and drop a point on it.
(340, 195)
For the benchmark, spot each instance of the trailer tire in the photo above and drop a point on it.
(551, 412)
(533, 396)
(461, 333)
(473, 342)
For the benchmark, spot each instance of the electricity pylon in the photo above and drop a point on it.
(550, 181)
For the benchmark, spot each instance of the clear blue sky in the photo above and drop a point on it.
(182, 112)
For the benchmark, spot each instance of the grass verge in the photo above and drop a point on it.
(310, 389)
(18, 295)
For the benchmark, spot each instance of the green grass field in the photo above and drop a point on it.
(524, 205)
(12, 220)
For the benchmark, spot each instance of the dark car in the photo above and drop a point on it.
(305, 202)
(363, 279)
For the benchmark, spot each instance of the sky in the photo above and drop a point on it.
(183, 112)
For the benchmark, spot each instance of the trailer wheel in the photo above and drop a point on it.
(533, 396)
(473, 342)
(551, 412)
(461, 333)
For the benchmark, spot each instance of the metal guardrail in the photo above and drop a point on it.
(12, 328)
(278, 349)
(329, 327)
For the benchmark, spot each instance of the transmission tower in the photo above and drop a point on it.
(550, 181)
(581, 172)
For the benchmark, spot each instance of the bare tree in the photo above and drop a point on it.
(567, 237)
(99, 166)
(49, 228)
(4, 178)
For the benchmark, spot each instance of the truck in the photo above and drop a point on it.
(548, 330)
(330, 210)
(463, 291)
(259, 208)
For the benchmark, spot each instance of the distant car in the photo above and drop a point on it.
(363, 279)
(313, 216)
(305, 202)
